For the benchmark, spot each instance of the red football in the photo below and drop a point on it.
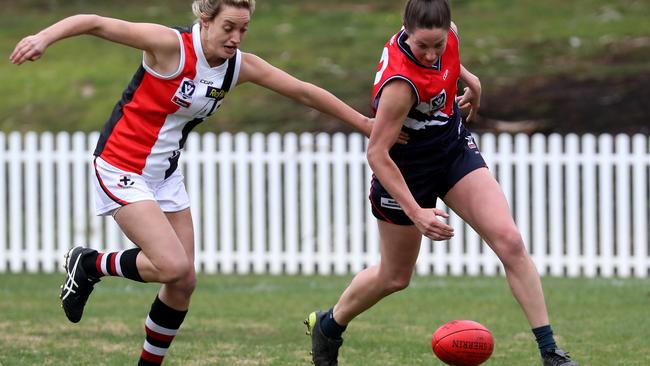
(462, 343)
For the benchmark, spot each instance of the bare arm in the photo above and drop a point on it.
(260, 72)
(396, 100)
(471, 97)
(160, 43)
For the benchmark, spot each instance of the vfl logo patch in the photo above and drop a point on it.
(390, 203)
(184, 93)
(125, 181)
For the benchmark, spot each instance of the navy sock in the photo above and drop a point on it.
(544, 338)
(329, 326)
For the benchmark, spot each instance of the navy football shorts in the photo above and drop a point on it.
(431, 167)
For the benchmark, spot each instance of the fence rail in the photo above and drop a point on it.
(298, 204)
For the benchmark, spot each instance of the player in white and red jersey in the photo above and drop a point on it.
(184, 78)
(415, 91)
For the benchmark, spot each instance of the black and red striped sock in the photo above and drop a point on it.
(161, 327)
(119, 264)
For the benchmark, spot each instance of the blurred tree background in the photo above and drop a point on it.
(546, 66)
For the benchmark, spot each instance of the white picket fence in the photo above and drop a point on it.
(298, 204)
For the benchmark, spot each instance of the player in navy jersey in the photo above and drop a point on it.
(415, 90)
(184, 77)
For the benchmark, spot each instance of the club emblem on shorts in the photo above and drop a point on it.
(470, 142)
(125, 181)
(184, 93)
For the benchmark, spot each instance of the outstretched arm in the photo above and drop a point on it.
(260, 72)
(160, 43)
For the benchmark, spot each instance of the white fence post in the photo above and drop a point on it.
(274, 206)
(540, 227)
(556, 201)
(4, 214)
(290, 187)
(259, 226)
(243, 203)
(622, 199)
(606, 205)
(30, 187)
(210, 213)
(572, 203)
(640, 206)
(225, 215)
(307, 234)
(358, 202)
(15, 194)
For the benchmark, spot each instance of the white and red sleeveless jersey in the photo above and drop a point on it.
(149, 125)
(434, 86)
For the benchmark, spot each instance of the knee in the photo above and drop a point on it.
(178, 269)
(397, 283)
(509, 246)
(186, 284)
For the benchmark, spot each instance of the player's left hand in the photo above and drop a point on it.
(470, 99)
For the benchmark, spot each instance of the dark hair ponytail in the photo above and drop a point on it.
(427, 14)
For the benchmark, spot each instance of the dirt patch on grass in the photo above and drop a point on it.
(565, 105)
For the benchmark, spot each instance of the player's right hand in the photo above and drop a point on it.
(30, 48)
(426, 220)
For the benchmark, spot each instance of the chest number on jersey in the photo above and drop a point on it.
(384, 64)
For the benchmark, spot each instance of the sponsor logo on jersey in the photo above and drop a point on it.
(215, 93)
(390, 203)
(184, 93)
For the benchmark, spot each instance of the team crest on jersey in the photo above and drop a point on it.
(438, 102)
(184, 93)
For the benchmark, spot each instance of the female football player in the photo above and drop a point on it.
(184, 77)
(415, 91)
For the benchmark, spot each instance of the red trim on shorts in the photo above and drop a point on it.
(108, 193)
(373, 202)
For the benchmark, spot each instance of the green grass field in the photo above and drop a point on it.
(256, 320)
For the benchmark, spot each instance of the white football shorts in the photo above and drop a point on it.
(115, 188)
